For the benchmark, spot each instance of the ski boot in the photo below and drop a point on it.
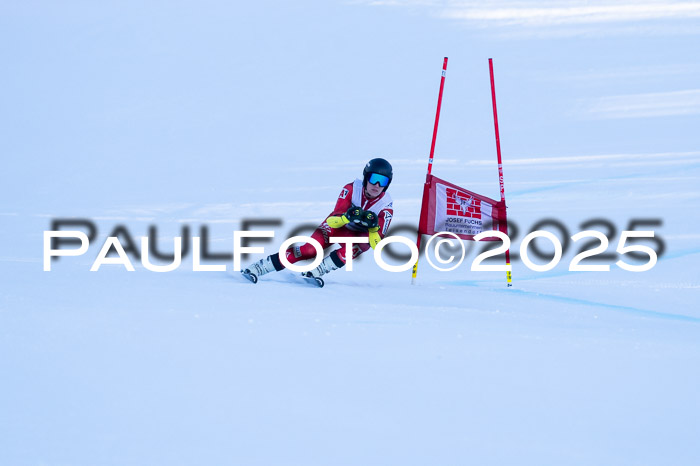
(329, 264)
(259, 268)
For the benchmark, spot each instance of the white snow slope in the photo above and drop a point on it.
(117, 367)
(182, 114)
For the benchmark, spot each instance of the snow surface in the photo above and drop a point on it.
(186, 367)
(210, 113)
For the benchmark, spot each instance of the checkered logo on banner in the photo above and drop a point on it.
(462, 205)
(460, 211)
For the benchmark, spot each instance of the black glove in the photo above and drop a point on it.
(354, 214)
(369, 219)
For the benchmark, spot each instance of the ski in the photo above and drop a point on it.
(249, 275)
(313, 280)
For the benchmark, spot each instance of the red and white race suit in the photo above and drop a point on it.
(352, 194)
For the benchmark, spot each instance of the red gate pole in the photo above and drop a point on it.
(502, 225)
(430, 162)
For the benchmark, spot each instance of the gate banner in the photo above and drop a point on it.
(449, 208)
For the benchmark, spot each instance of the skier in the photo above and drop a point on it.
(363, 208)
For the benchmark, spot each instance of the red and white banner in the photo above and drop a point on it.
(450, 208)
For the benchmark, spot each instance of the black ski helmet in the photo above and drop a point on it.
(379, 166)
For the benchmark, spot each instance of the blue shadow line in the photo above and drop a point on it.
(585, 302)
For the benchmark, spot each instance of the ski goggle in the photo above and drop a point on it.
(375, 178)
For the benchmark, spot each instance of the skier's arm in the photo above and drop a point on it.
(385, 217)
(353, 214)
(339, 217)
(377, 233)
(344, 201)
